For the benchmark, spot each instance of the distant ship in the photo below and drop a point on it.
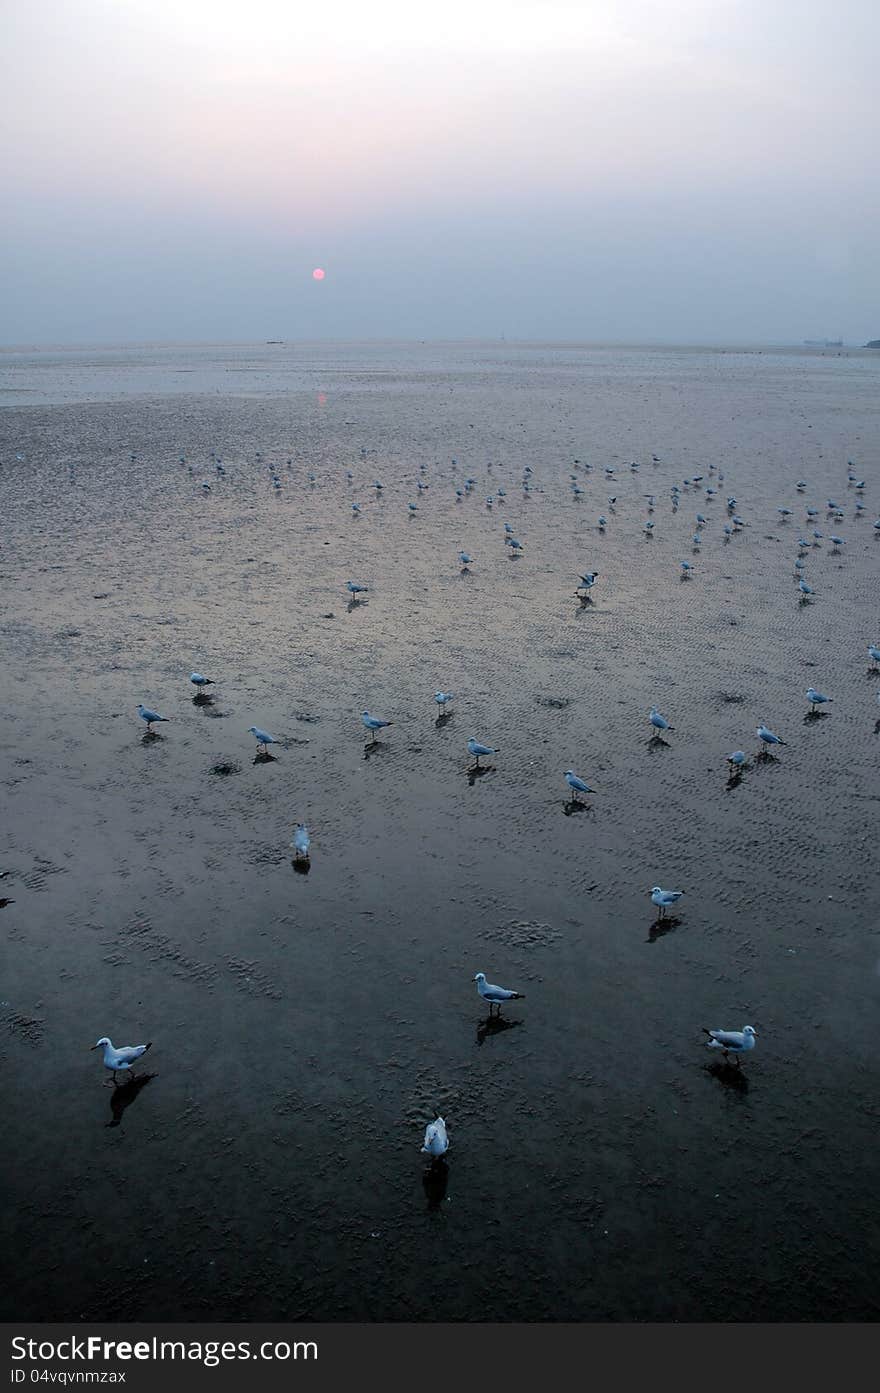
(823, 343)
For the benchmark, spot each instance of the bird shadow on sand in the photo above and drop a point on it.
(665, 925)
(494, 1025)
(574, 805)
(657, 742)
(765, 757)
(813, 716)
(586, 603)
(355, 604)
(123, 1096)
(477, 771)
(734, 781)
(301, 864)
(444, 719)
(728, 1075)
(150, 737)
(375, 747)
(203, 699)
(263, 757)
(435, 1179)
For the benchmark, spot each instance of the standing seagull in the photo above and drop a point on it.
(301, 842)
(122, 1059)
(664, 898)
(354, 588)
(262, 737)
(476, 749)
(441, 699)
(436, 1140)
(874, 653)
(577, 785)
(768, 737)
(732, 1041)
(495, 995)
(199, 681)
(150, 716)
(816, 698)
(373, 723)
(657, 721)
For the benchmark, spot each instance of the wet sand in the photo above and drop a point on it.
(306, 1027)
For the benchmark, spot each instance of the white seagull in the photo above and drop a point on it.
(199, 681)
(301, 842)
(664, 898)
(768, 737)
(262, 737)
(441, 699)
(495, 995)
(732, 1041)
(150, 716)
(476, 749)
(122, 1059)
(657, 721)
(577, 785)
(816, 698)
(436, 1140)
(374, 723)
(354, 588)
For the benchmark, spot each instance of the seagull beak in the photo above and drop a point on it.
(93, 1047)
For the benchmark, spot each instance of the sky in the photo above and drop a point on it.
(694, 171)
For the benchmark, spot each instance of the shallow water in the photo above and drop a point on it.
(306, 1027)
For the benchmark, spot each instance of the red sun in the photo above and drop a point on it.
(317, 274)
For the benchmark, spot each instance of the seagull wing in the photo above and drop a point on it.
(731, 1039)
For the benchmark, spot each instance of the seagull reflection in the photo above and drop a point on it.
(662, 926)
(729, 1076)
(124, 1095)
(493, 1025)
(435, 1179)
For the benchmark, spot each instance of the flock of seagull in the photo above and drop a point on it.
(730, 1043)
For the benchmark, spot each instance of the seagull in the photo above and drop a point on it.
(805, 589)
(495, 995)
(838, 541)
(659, 722)
(356, 509)
(664, 898)
(587, 581)
(150, 716)
(301, 841)
(436, 1140)
(199, 681)
(441, 699)
(768, 737)
(603, 521)
(354, 588)
(577, 785)
(686, 569)
(464, 558)
(374, 723)
(122, 1059)
(476, 749)
(731, 1041)
(816, 698)
(262, 737)
(737, 759)
(874, 652)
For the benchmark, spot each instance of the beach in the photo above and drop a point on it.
(306, 1027)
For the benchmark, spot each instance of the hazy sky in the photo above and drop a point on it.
(692, 170)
